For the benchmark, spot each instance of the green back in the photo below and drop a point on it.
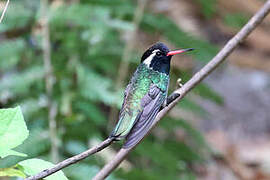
(139, 87)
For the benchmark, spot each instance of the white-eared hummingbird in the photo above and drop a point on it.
(145, 94)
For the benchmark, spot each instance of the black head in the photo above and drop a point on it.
(158, 57)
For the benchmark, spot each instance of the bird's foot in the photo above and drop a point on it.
(170, 99)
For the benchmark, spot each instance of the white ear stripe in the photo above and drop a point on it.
(148, 60)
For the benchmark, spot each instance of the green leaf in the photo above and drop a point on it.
(13, 131)
(12, 152)
(34, 166)
(12, 172)
(37, 138)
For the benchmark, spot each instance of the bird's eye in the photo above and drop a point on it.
(158, 53)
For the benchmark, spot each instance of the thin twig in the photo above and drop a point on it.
(71, 160)
(4, 11)
(197, 78)
(52, 106)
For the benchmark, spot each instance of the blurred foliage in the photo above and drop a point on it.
(87, 46)
(165, 26)
(236, 20)
(17, 17)
(208, 7)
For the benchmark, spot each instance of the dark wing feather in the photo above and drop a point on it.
(151, 104)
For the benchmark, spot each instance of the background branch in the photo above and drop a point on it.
(124, 64)
(49, 78)
(197, 78)
(4, 11)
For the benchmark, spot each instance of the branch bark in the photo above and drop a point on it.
(197, 78)
(71, 160)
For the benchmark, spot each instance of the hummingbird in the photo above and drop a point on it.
(145, 94)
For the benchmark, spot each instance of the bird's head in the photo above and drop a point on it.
(158, 57)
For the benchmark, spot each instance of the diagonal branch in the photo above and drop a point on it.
(197, 78)
(71, 160)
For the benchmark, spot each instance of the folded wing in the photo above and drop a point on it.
(151, 104)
